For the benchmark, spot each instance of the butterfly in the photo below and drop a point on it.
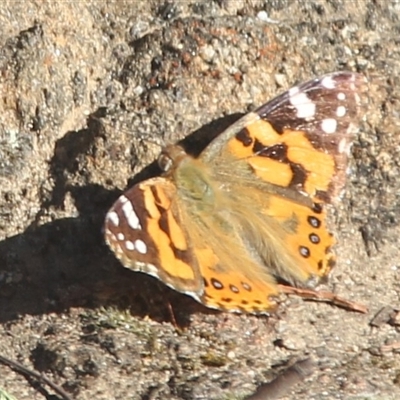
(250, 210)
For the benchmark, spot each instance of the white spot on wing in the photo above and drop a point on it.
(140, 246)
(112, 216)
(129, 245)
(329, 125)
(341, 96)
(120, 236)
(328, 82)
(304, 106)
(341, 111)
(130, 215)
(123, 199)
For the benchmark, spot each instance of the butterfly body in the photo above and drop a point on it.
(223, 227)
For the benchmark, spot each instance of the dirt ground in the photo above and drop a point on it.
(89, 90)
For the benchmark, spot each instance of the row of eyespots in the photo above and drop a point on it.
(234, 289)
(315, 223)
(256, 307)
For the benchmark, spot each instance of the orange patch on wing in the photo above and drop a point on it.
(150, 203)
(165, 242)
(177, 236)
(206, 258)
(260, 130)
(320, 166)
(272, 171)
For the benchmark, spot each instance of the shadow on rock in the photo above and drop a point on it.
(65, 263)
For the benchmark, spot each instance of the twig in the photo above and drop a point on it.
(325, 296)
(40, 377)
(284, 382)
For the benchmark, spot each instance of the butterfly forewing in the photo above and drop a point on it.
(144, 230)
(302, 136)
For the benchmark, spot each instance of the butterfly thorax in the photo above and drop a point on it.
(191, 176)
